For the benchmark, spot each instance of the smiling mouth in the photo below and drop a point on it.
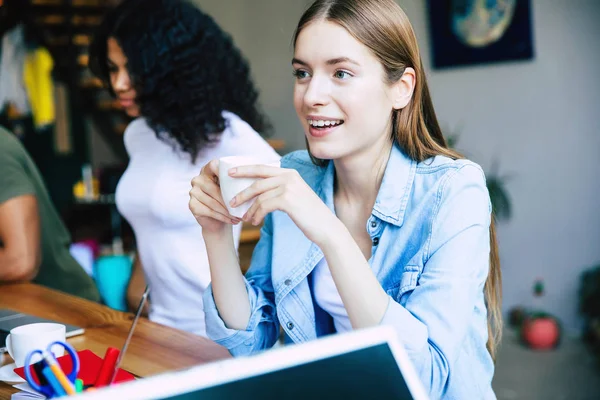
(324, 124)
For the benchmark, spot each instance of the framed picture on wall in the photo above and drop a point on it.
(468, 32)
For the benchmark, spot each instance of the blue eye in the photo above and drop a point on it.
(300, 74)
(342, 75)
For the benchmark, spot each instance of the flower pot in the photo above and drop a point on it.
(541, 333)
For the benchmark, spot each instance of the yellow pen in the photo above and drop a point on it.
(66, 384)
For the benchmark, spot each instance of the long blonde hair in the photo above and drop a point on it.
(384, 28)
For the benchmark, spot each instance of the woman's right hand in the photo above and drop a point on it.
(206, 202)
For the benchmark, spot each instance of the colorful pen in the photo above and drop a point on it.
(64, 382)
(54, 384)
(108, 367)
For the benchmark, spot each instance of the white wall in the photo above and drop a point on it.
(538, 118)
(263, 30)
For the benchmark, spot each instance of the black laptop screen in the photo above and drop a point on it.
(370, 373)
(3, 335)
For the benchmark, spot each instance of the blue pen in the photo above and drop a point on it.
(53, 381)
(65, 382)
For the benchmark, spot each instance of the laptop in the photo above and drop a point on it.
(10, 319)
(364, 364)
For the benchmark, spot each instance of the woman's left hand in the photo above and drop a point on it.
(284, 189)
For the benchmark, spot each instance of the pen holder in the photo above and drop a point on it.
(90, 365)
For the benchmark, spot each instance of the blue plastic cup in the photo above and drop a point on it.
(112, 274)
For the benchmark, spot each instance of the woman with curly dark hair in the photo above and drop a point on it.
(175, 71)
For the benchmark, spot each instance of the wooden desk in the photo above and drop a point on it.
(248, 239)
(153, 349)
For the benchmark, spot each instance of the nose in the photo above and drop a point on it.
(317, 93)
(121, 81)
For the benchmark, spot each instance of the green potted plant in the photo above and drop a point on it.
(540, 330)
(589, 306)
(496, 184)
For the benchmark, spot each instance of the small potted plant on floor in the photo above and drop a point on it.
(589, 306)
(540, 330)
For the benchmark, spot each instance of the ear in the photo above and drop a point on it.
(402, 90)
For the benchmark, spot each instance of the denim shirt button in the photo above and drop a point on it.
(290, 325)
(287, 282)
(375, 241)
(373, 224)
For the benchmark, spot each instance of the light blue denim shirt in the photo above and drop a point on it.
(430, 235)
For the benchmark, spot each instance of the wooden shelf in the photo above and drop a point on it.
(58, 41)
(250, 234)
(63, 40)
(74, 3)
(92, 20)
(89, 3)
(91, 83)
(248, 239)
(77, 20)
(276, 144)
(109, 105)
(83, 60)
(120, 128)
(47, 2)
(51, 20)
(82, 40)
(102, 199)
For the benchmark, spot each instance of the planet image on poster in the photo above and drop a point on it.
(480, 23)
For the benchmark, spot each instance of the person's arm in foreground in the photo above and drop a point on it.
(20, 253)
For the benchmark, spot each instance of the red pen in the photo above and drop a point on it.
(108, 367)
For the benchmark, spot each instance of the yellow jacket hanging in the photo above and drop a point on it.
(38, 83)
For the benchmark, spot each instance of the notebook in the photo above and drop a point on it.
(10, 319)
(364, 364)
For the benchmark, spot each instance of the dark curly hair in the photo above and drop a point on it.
(186, 70)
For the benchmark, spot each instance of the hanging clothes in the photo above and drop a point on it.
(37, 77)
(12, 60)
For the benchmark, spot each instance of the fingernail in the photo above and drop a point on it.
(232, 171)
(232, 202)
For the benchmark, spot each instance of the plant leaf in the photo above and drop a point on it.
(501, 205)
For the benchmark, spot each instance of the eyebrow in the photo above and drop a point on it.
(332, 61)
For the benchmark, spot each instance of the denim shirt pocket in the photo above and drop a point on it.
(399, 291)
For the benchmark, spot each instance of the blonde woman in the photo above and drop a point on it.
(379, 223)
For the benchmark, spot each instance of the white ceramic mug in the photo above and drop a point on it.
(25, 338)
(231, 186)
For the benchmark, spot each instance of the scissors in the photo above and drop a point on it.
(47, 389)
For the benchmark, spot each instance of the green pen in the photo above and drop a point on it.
(78, 385)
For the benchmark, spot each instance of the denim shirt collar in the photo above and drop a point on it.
(392, 199)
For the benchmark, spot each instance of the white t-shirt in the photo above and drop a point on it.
(328, 298)
(153, 195)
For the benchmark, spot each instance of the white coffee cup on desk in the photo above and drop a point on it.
(25, 338)
(231, 186)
